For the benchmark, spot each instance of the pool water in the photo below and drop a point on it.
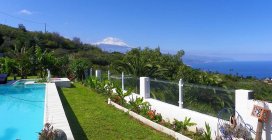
(21, 111)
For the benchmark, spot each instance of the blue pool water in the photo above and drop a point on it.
(21, 111)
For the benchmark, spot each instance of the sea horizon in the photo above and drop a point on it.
(257, 69)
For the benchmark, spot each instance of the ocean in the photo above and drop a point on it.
(258, 69)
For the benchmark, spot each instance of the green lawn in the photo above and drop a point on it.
(18, 77)
(90, 117)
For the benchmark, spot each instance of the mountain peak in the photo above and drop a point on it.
(112, 41)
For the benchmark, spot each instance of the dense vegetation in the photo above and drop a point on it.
(31, 53)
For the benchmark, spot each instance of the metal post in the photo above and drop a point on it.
(91, 72)
(85, 74)
(180, 93)
(109, 75)
(98, 74)
(123, 80)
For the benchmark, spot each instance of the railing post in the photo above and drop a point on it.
(109, 75)
(145, 87)
(91, 72)
(85, 73)
(180, 93)
(123, 81)
(98, 74)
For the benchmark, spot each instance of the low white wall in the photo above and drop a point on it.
(171, 112)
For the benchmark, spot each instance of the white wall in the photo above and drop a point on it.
(244, 106)
(171, 112)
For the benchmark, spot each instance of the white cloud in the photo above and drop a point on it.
(25, 12)
(112, 41)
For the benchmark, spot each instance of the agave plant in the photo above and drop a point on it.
(207, 133)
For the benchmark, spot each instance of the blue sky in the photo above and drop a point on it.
(238, 29)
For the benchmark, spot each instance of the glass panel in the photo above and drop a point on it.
(116, 79)
(164, 91)
(207, 100)
(132, 83)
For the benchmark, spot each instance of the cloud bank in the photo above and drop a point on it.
(25, 12)
(112, 41)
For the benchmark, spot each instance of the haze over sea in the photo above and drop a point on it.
(258, 69)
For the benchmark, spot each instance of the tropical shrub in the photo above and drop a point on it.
(119, 96)
(7, 65)
(135, 104)
(182, 125)
(207, 133)
(108, 87)
(78, 66)
(105, 87)
(152, 115)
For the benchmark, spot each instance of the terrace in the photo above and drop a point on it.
(170, 99)
(89, 116)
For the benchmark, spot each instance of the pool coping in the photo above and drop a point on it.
(54, 112)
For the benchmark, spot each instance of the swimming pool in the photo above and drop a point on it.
(21, 111)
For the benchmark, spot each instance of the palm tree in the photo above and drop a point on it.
(135, 64)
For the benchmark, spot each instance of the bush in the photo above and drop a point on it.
(182, 125)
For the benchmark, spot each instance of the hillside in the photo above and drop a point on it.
(12, 39)
(31, 53)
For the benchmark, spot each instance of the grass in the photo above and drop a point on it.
(18, 77)
(90, 117)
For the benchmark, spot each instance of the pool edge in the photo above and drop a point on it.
(54, 112)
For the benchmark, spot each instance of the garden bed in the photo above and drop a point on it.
(90, 117)
(144, 111)
(150, 123)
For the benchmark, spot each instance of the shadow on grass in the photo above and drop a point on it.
(75, 126)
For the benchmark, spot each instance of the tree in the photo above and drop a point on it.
(78, 66)
(61, 66)
(77, 41)
(22, 59)
(22, 27)
(1, 39)
(136, 63)
(7, 65)
(44, 60)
